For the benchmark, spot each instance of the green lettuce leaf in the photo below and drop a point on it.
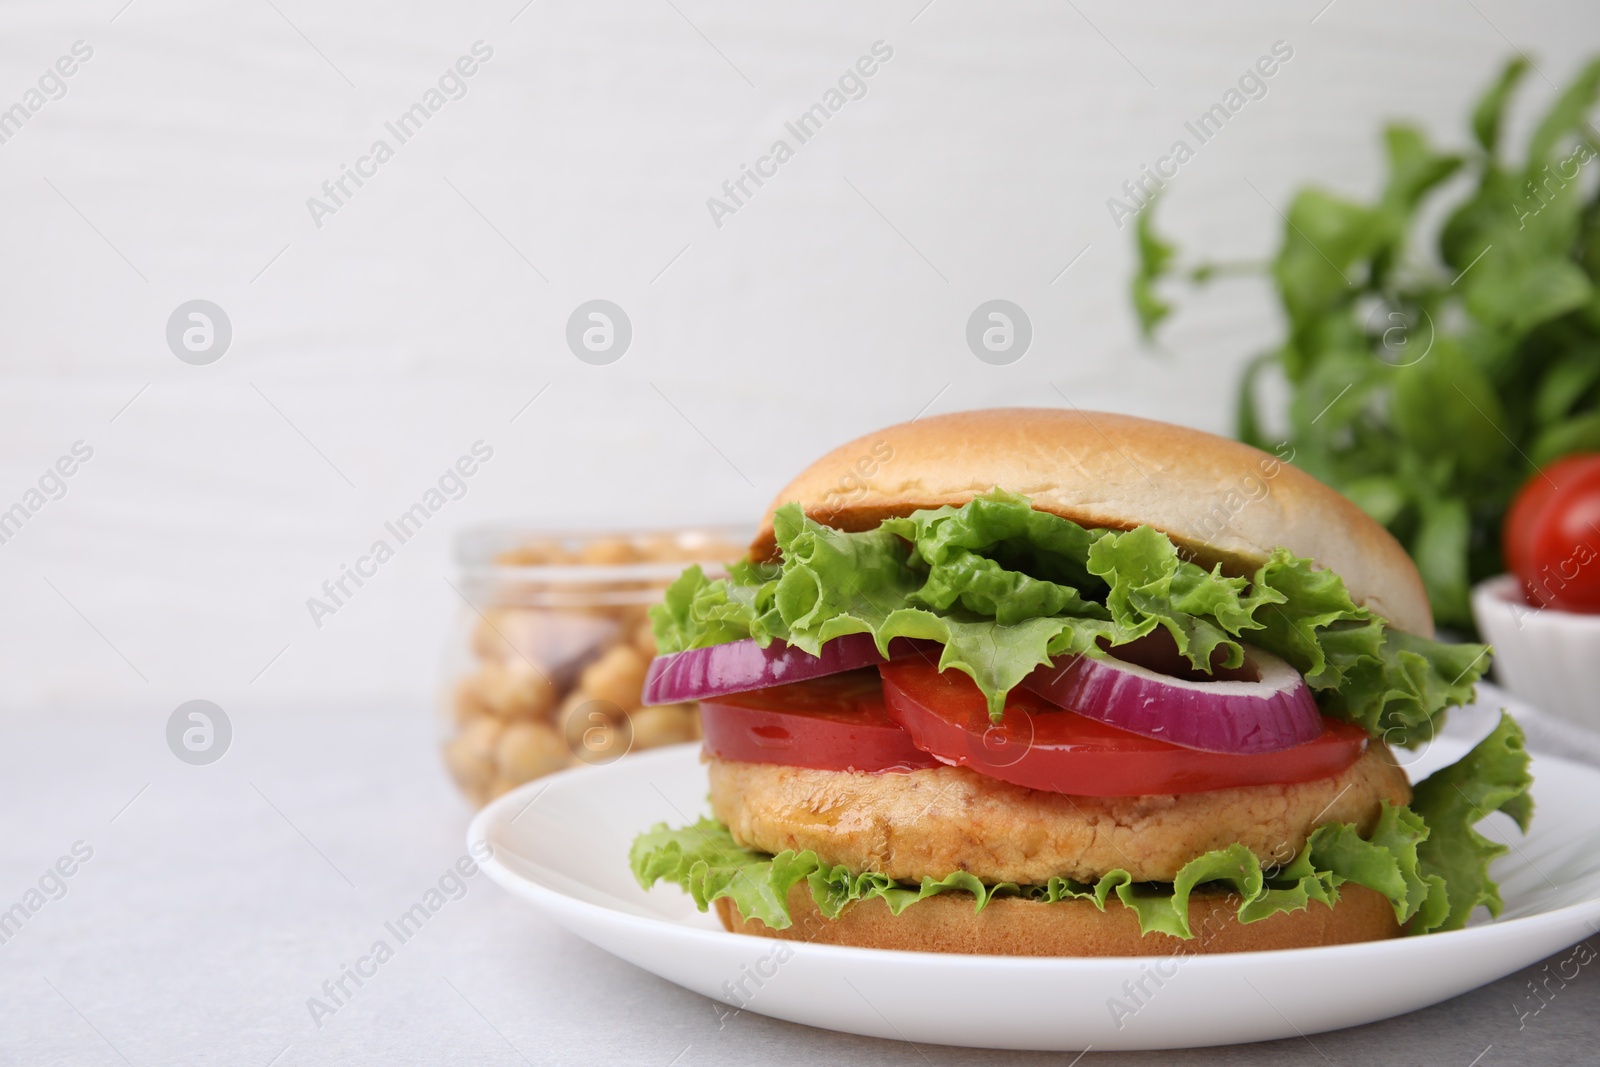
(1005, 588)
(706, 862)
(1492, 777)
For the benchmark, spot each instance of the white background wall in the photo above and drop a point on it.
(410, 325)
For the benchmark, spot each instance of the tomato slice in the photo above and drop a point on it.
(837, 723)
(1044, 747)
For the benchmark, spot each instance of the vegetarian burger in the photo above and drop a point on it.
(1055, 683)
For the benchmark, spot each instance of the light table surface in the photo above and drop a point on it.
(217, 900)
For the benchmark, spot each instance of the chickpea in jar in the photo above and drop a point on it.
(555, 660)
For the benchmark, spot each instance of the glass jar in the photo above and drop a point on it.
(548, 655)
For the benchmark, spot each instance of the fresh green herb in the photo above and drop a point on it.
(1427, 388)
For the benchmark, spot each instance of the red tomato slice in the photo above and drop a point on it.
(1044, 747)
(837, 723)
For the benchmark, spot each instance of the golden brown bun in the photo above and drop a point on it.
(1221, 500)
(1013, 927)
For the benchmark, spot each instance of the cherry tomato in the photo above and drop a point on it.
(1551, 537)
(1044, 747)
(836, 723)
(1517, 532)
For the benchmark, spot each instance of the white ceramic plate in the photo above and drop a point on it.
(562, 845)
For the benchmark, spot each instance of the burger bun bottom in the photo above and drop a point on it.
(1011, 926)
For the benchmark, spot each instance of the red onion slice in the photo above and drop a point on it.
(1269, 710)
(740, 666)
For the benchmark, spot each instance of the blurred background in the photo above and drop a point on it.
(239, 342)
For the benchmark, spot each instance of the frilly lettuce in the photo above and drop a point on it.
(1492, 777)
(1426, 859)
(706, 862)
(1005, 588)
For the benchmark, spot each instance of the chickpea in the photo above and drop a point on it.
(589, 599)
(508, 633)
(470, 773)
(501, 787)
(724, 550)
(577, 711)
(699, 548)
(515, 689)
(555, 640)
(609, 552)
(617, 677)
(559, 664)
(529, 750)
(630, 615)
(644, 639)
(480, 736)
(466, 703)
(664, 724)
(470, 754)
(660, 547)
(530, 554)
(539, 553)
(491, 632)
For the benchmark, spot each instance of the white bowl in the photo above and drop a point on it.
(1548, 657)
